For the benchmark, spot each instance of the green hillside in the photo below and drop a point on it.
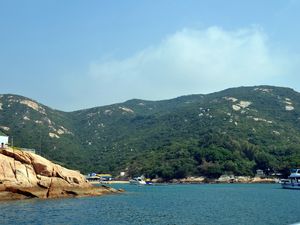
(237, 131)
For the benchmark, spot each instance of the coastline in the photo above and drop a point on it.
(224, 180)
(110, 182)
(200, 180)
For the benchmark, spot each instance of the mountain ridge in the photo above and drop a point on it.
(237, 130)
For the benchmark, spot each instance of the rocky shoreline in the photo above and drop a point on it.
(221, 180)
(25, 175)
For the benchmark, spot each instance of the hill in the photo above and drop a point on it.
(237, 131)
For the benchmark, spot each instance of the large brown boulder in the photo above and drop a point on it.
(27, 175)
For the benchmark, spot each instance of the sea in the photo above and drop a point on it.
(164, 204)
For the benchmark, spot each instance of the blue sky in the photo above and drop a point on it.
(71, 54)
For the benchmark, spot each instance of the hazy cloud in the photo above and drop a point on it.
(194, 61)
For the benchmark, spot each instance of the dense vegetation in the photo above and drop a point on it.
(235, 131)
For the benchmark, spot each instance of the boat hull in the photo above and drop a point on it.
(291, 186)
(137, 182)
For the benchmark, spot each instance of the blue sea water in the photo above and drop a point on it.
(165, 204)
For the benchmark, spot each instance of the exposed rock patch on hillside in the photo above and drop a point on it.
(27, 175)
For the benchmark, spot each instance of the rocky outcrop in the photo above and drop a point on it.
(27, 175)
(187, 180)
(244, 179)
(222, 179)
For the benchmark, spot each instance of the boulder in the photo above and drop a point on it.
(27, 175)
(190, 180)
(244, 179)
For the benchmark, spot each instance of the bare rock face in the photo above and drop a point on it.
(27, 175)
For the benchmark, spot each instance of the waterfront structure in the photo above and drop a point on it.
(260, 173)
(122, 174)
(104, 176)
(92, 178)
(3, 140)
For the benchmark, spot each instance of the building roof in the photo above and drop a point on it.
(104, 175)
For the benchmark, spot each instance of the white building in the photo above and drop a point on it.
(3, 140)
(122, 174)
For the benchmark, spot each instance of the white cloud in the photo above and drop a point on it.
(193, 61)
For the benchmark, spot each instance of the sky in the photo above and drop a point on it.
(76, 54)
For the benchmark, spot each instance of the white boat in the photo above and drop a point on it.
(293, 182)
(140, 181)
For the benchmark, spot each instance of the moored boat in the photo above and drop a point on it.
(140, 181)
(137, 181)
(293, 181)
